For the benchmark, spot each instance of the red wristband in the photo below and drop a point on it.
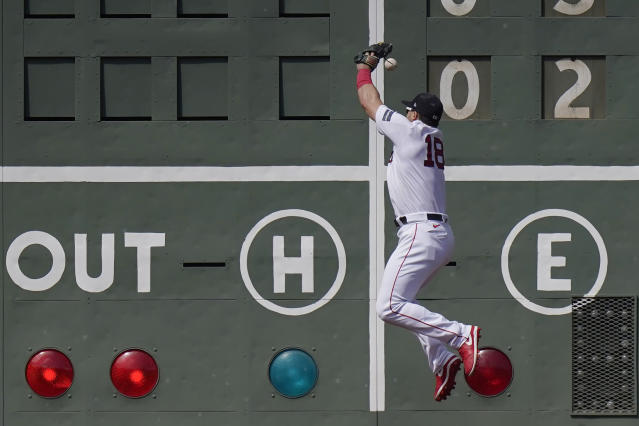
(363, 77)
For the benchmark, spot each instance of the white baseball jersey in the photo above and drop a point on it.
(415, 173)
(416, 185)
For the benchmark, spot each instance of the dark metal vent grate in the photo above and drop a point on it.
(604, 356)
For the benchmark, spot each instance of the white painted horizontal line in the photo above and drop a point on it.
(28, 174)
(185, 174)
(541, 173)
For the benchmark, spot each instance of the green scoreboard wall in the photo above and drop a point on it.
(196, 179)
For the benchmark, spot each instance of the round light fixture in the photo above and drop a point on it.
(134, 373)
(293, 373)
(493, 373)
(49, 373)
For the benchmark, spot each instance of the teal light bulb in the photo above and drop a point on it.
(293, 373)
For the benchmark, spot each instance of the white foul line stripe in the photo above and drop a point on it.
(132, 174)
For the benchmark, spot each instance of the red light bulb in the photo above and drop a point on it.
(493, 373)
(137, 376)
(49, 373)
(134, 373)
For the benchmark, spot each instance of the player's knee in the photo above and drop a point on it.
(384, 311)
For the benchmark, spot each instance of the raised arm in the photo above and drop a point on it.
(366, 62)
(366, 91)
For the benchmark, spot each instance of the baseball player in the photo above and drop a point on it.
(416, 185)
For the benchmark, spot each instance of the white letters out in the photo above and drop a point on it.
(292, 265)
(578, 8)
(142, 241)
(104, 281)
(546, 261)
(458, 9)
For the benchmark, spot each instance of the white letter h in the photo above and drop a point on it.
(292, 265)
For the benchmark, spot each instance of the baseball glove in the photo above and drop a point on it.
(373, 53)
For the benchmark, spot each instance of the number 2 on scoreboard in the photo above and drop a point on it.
(436, 150)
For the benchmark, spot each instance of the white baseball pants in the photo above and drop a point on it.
(423, 248)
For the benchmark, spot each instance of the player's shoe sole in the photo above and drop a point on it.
(445, 382)
(469, 349)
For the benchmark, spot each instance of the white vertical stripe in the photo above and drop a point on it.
(372, 239)
(379, 262)
(376, 223)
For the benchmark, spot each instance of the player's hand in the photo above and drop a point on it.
(364, 66)
(372, 54)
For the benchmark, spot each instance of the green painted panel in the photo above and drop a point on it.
(622, 8)
(517, 36)
(409, 48)
(126, 7)
(583, 36)
(179, 37)
(622, 94)
(261, 97)
(500, 36)
(494, 418)
(304, 87)
(164, 88)
(514, 8)
(163, 9)
(203, 143)
(48, 8)
(515, 78)
(304, 7)
(547, 142)
(202, 88)
(235, 419)
(350, 29)
(321, 418)
(160, 418)
(288, 36)
(202, 7)
(253, 8)
(49, 88)
(126, 88)
(43, 419)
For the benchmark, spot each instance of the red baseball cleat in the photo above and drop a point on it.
(445, 382)
(468, 350)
